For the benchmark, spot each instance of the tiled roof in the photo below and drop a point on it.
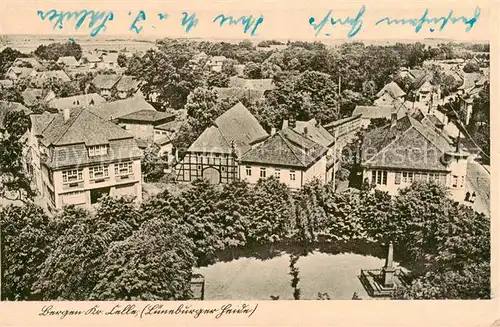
(253, 84)
(286, 148)
(163, 140)
(127, 83)
(75, 101)
(407, 145)
(7, 106)
(68, 61)
(40, 121)
(83, 126)
(119, 108)
(105, 81)
(470, 80)
(239, 125)
(149, 116)
(40, 77)
(171, 126)
(417, 73)
(91, 58)
(22, 72)
(392, 89)
(240, 93)
(236, 126)
(31, 61)
(341, 121)
(315, 132)
(211, 141)
(77, 154)
(373, 112)
(420, 81)
(32, 96)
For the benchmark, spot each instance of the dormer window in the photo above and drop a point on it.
(97, 150)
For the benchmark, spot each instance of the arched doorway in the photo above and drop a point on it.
(212, 175)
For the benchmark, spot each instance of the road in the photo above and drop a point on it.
(478, 180)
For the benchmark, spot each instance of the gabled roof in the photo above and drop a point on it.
(105, 81)
(315, 132)
(39, 122)
(75, 101)
(420, 81)
(127, 83)
(407, 145)
(239, 125)
(262, 85)
(211, 140)
(286, 148)
(91, 58)
(7, 106)
(147, 116)
(470, 80)
(68, 61)
(236, 127)
(32, 96)
(342, 121)
(31, 61)
(392, 89)
(417, 73)
(119, 108)
(22, 72)
(83, 126)
(373, 112)
(39, 77)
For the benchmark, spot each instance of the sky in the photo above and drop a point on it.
(282, 19)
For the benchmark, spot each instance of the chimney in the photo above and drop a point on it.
(305, 130)
(285, 124)
(66, 114)
(273, 130)
(394, 118)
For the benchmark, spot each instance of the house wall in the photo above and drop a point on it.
(143, 131)
(195, 166)
(393, 189)
(79, 193)
(285, 174)
(317, 170)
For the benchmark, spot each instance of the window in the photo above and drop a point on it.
(417, 176)
(123, 169)
(248, 170)
(442, 178)
(292, 175)
(410, 177)
(98, 172)
(454, 181)
(199, 167)
(157, 132)
(72, 176)
(380, 177)
(462, 181)
(98, 150)
(397, 178)
(405, 177)
(277, 173)
(263, 172)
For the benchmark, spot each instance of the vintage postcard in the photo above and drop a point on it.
(274, 163)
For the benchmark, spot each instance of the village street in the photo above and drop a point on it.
(478, 180)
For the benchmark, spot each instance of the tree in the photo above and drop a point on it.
(272, 212)
(155, 263)
(122, 60)
(25, 240)
(55, 50)
(471, 67)
(12, 95)
(216, 79)
(13, 178)
(228, 67)
(252, 70)
(7, 58)
(151, 164)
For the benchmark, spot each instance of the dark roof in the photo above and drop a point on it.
(40, 121)
(417, 73)
(127, 83)
(315, 132)
(105, 81)
(417, 84)
(149, 116)
(286, 148)
(392, 89)
(75, 101)
(83, 126)
(7, 106)
(236, 125)
(171, 126)
(119, 108)
(345, 120)
(407, 145)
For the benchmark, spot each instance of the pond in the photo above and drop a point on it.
(254, 278)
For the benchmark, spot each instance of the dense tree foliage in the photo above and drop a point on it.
(55, 50)
(7, 57)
